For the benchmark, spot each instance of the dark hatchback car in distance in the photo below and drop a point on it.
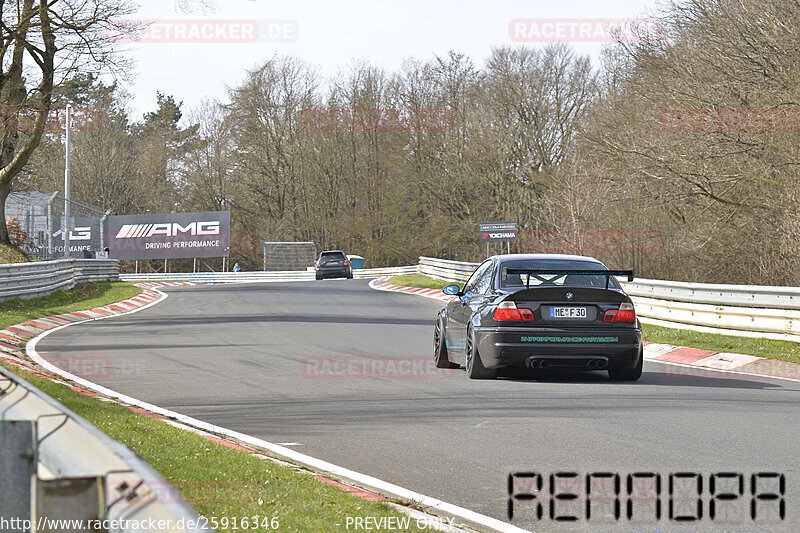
(540, 311)
(333, 264)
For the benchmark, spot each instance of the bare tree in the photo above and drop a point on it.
(39, 41)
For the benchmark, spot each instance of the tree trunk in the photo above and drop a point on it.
(5, 190)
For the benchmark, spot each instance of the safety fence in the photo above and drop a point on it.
(31, 280)
(756, 310)
(444, 269)
(750, 308)
(261, 276)
(60, 473)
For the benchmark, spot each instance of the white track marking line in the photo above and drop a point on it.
(379, 485)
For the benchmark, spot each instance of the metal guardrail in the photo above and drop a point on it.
(222, 277)
(260, 276)
(717, 294)
(31, 280)
(365, 273)
(444, 269)
(755, 309)
(57, 466)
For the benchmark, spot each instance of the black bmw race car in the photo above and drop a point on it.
(540, 311)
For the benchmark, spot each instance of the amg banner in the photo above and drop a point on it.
(169, 236)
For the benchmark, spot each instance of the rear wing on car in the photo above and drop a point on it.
(536, 273)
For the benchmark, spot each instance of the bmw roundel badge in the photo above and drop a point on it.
(569, 296)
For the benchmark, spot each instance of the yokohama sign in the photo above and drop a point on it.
(172, 235)
(498, 231)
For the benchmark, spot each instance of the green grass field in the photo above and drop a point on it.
(221, 481)
(10, 254)
(773, 349)
(81, 297)
(419, 280)
(217, 480)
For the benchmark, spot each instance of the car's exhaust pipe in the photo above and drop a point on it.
(538, 363)
(601, 364)
(591, 363)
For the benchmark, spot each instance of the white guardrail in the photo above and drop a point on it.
(57, 466)
(754, 310)
(31, 280)
(261, 276)
(751, 310)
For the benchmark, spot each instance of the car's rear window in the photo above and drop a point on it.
(516, 280)
(332, 255)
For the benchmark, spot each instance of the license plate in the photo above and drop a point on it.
(568, 312)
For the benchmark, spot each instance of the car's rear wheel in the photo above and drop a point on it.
(628, 374)
(474, 365)
(440, 346)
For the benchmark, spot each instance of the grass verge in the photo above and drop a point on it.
(419, 280)
(11, 254)
(220, 481)
(80, 298)
(772, 349)
(217, 480)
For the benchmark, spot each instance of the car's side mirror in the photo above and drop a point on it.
(452, 290)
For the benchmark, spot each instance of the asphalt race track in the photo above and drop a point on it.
(344, 373)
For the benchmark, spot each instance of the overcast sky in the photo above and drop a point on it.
(199, 47)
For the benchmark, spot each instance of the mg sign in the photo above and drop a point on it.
(84, 237)
(168, 236)
(498, 231)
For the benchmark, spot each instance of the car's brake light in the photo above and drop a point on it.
(346, 263)
(625, 313)
(527, 314)
(317, 263)
(509, 311)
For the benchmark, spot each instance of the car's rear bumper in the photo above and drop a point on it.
(589, 348)
(333, 272)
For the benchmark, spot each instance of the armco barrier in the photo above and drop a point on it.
(58, 466)
(457, 271)
(222, 277)
(750, 309)
(260, 276)
(31, 280)
(754, 309)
